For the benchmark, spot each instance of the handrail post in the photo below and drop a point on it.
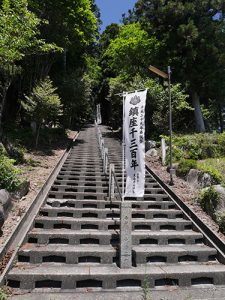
(111, 182)
(102, 148)
(105, 161)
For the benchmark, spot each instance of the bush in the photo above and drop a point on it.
(198, 146)
(212, 171)
(209, 200)
(185, 166)
(220, 220)
(9, 178)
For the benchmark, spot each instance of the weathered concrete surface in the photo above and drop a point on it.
(206, 293)
(125, 235)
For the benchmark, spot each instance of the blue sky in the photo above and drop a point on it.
(112, 10)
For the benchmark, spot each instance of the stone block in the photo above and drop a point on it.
(125, 235)
(5, 199)
(152, 152)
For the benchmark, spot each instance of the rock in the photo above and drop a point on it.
(149, 145)
(5, 199)
(197, 179)
(152, 152)
(192, 178)
(221, 191)
(2, 216)
(23, 190)
(205, 180)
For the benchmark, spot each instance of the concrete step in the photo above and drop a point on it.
(76, 237)
(174, 254)
(74, 242)
(79, 189)
(107, 224)
(110, 213)
(163, 293)
(77, 195)
(69, 254)
(69, 276)
(102, 204)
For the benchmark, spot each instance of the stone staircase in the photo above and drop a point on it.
(74, 243)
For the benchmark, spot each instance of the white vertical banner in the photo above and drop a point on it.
(134, 134)
(99, 117)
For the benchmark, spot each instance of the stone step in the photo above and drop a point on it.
(79, 189)
(108, 213)
(68, 254)
(102, 224)
(82, 178)
(102, 182)
(102, 204)
(77, 195)
(76, 237)
(97, 189)
(173, 254)
(69, 276)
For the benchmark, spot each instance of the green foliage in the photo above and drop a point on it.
(220, 220)
(43, 105)
(78, 103)
(3, 294)
(192, 41)
(19, 31)
(130, 50)
(156, 104)
(9, 178)
(209, 200)
(198, 146)
(185, 166)
(213, 171)
(146, 289)
(72, 24)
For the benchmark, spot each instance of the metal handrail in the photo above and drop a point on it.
(106, 164)
(117, 185)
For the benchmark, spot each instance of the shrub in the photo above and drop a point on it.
(212, 171)
(9, 178)
(220, 220)
(209, 200)
(185, 166)
(198, 146)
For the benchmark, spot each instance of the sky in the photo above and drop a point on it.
(112, 10)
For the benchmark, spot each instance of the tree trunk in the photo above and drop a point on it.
(221, 118)
(37, 135)
(5, 88)
(199, 121)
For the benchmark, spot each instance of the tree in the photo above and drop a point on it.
(131, 51)
(43, 105)
(18, 37)
(70, 24)
(157, 104)
(193, 40)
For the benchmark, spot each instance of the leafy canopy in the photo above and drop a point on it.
(19, 32)
(71, 24)
(131, 50)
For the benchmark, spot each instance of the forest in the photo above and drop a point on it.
(56, 66)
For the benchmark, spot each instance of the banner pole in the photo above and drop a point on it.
(123, 150)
